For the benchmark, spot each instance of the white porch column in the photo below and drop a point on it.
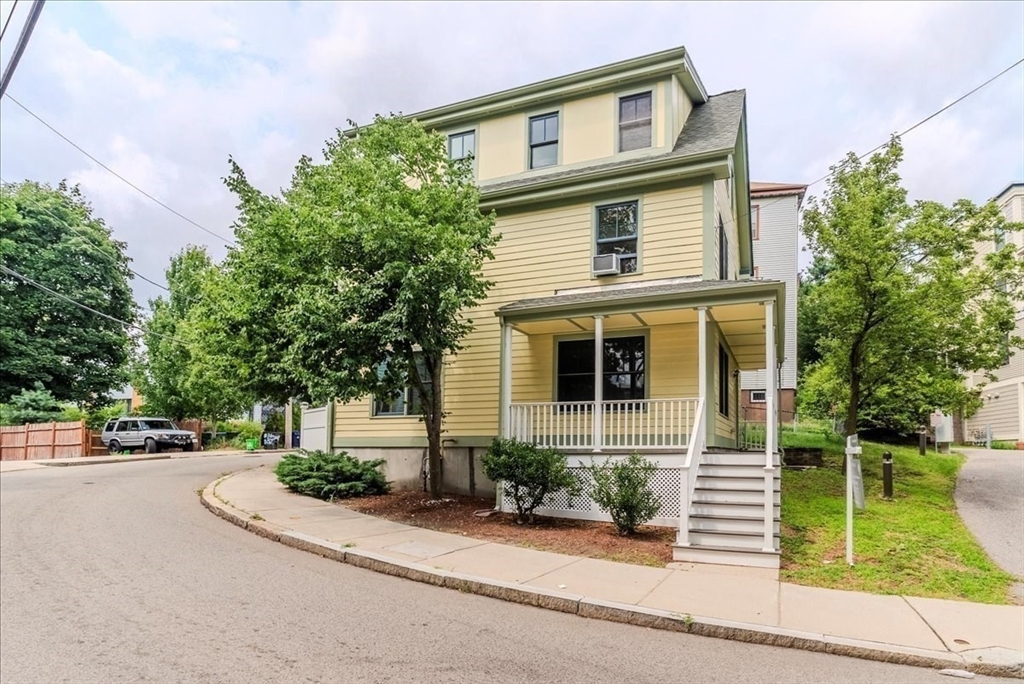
(505, 381)
(771, 398)
(702, 353)
(598, 382)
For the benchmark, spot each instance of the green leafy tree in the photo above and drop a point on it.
(37, 405)
(51, 236)
(358, 279)
(175, 372)
(906, 305)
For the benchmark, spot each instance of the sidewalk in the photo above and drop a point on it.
(748, 604)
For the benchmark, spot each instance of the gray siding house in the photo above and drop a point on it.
(1002, 408)
(775, 222)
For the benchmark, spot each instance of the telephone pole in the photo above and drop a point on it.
(19, 48)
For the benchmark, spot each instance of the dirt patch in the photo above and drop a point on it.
(455, 514)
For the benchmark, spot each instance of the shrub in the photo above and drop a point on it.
(1004, 445)
(623, 490)
(331, 476)
(528, 472)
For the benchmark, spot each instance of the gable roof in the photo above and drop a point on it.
(760, 189)
(712, 127)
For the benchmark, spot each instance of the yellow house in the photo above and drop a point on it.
(623, 307)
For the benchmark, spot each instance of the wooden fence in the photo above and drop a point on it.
(44, 440)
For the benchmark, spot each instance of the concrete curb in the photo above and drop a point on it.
(602, 610)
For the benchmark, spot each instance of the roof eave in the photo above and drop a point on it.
(714, 163)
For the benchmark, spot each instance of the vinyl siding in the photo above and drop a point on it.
(1002, 412)
(542, 251)
(723, 205)
(775, 256)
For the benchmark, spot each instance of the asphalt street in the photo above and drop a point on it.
(116, 573)
(990, 499)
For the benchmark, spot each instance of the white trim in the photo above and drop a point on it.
(599, 380)
(758, 401)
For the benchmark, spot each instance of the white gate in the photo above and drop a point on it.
(315, 423)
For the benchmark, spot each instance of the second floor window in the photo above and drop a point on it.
(634, 122)
(543, 140)
(723, 251)
(755, 221)
(618, 233)
(462, 145)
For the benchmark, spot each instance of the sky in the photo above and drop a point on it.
(164, 93)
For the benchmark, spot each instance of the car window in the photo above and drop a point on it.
(157, 425)
(133, 426)
(121, 426)
(109, 427)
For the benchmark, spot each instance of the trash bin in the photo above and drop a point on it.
(251, 444)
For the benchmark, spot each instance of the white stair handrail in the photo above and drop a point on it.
(688, 474)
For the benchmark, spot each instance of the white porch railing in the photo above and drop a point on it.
(753, 434)
(688, 475)
(640, 424)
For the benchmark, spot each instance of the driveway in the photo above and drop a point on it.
(116, 573)
(990, 499)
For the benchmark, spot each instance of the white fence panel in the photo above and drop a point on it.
(313, 433)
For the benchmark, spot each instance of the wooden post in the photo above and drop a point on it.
(288, 425)
(598, 381)
(770, 443)
(24, 453)
(53, 439)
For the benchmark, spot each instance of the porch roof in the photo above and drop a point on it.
(639, 297)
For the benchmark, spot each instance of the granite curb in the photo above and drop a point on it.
(599, 609)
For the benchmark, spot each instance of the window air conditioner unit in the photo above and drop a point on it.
(606, 264)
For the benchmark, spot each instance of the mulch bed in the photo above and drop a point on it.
(455, 514)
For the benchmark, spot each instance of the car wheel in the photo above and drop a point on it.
(151, 447)
(114, 447)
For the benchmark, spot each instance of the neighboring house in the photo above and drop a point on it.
(775, 223)
(623, 201)
(129, 396)
(1002, 406)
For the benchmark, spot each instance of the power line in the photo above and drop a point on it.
(66, 139)
(908, 130)
(9, 16)
(19, 47)
(84, 235)
(39, 286)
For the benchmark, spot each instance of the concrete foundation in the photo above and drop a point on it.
(403, 467)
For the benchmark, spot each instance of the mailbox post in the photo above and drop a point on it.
(854, 486)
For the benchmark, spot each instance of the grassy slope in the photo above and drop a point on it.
(914, 545)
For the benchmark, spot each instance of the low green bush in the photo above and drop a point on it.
(528, 472)
(623, 490)
(1004, 445)
(331, 476)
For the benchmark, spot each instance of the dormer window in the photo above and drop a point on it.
(462, 145)
(543, 140)
(634, 122)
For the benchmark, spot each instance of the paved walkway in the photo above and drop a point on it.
(748, 600)
(990, 499)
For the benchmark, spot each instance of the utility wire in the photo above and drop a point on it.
(9, 16)
(226, 241)
(22, 44)
(908, 130)
(97, 250)
(39, 286)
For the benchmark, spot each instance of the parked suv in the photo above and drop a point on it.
(151, 434)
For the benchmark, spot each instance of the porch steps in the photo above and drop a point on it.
(727, 512)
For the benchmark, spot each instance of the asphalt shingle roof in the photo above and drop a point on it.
(710, 127)
(597, 296)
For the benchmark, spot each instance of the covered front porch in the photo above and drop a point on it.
(602, 372)
(668, 356)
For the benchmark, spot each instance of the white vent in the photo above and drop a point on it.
(606, 264)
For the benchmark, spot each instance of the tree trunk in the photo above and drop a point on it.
(434, 422)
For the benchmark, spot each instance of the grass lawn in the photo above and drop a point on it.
(914, 545)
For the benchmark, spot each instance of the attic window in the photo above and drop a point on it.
(634, 122)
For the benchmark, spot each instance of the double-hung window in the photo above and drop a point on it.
(723, 251)
(624, 369)
(634, 122)
(404, 402)
(755, 220)
(618, 233)
(543, 140)
(462, 145)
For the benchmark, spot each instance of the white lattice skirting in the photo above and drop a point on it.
(665, 484)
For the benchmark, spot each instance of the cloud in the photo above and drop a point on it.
(165, 92)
